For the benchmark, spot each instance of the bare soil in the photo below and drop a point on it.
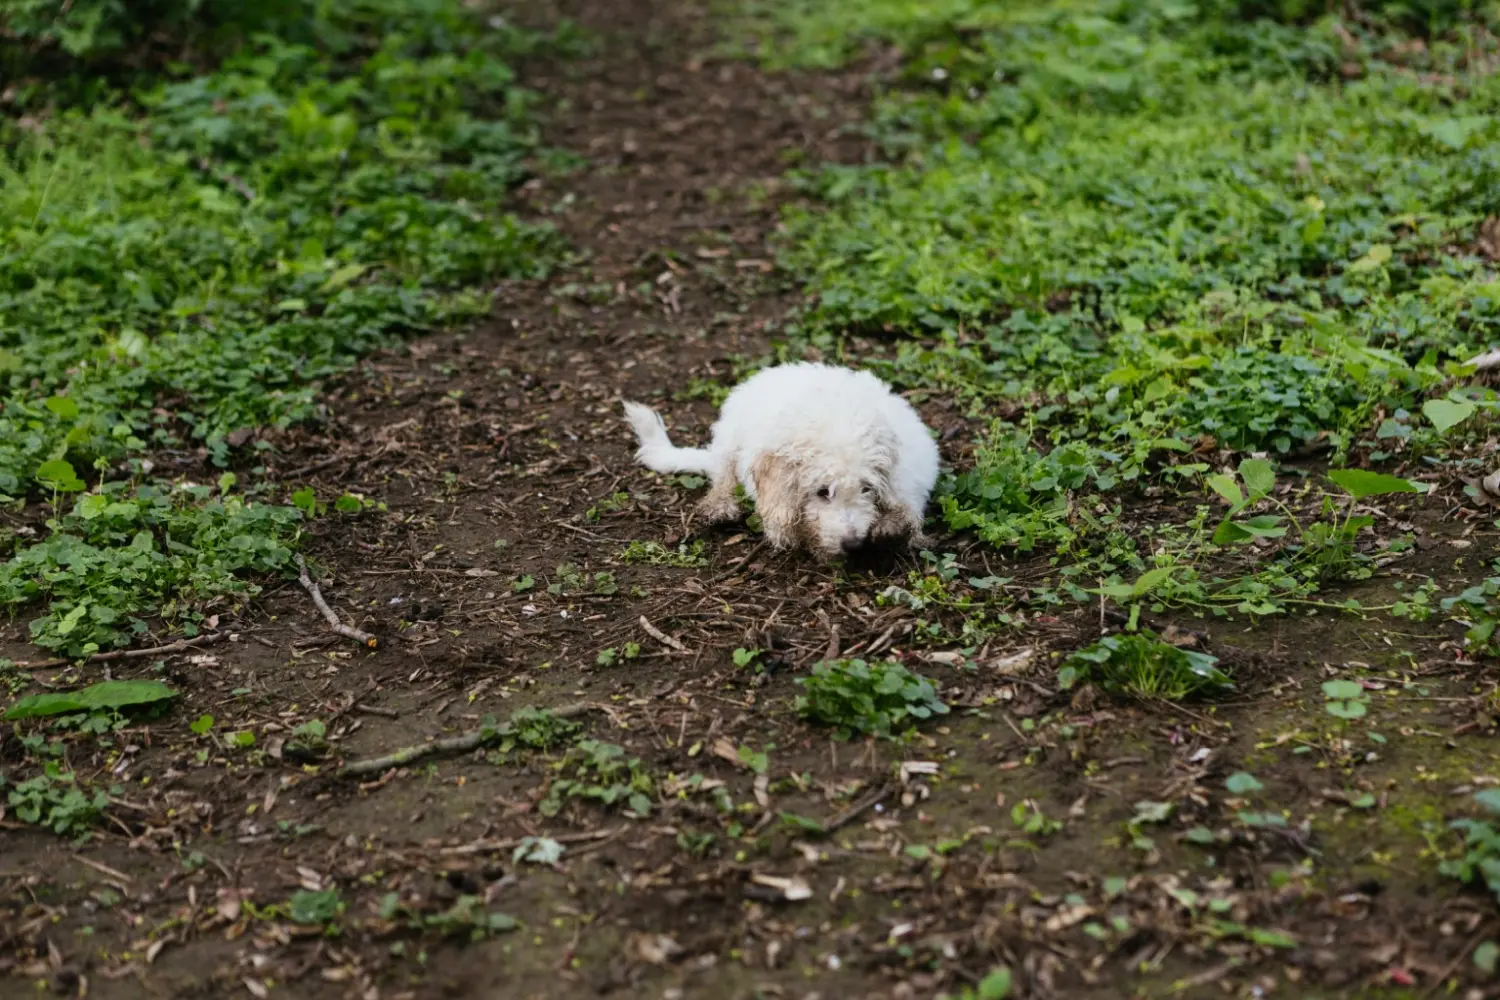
(501, 458)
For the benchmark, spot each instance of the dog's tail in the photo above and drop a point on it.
(657, 452)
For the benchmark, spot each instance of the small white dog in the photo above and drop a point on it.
(831, 457)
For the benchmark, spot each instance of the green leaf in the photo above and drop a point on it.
(538, 850)
(306, 501)
(91, 506)
(202, 724)
(996, 985)
(342, 277)
(1199, 835)
(348, 504)
(1259, 477)
(62, 407)
(1486, 956)
(1447, 413)
(59, 475)
(1150, 580)
(1152, 812)
(1118, 591)
(104, 695)
(1343, 689)
(1345, 709)
(1377, 256)
(1226, 488)
(1242, 783)
(310, 908)
(1361, 483)
(1489, 798)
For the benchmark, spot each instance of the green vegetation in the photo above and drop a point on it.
(189, 255)
(121, 553)
(1140, 664)
(1480, 861)
(599, 772)
(873, 699)
(1157, 229)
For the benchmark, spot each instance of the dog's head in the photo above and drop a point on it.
(829, 504)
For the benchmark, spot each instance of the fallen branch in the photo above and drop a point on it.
(660, 636)
(461, 743)
(349, 631)
(180, 646)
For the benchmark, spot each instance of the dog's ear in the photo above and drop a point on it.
(778, 498)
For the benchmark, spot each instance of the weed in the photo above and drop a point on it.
(569, 579)
(1346, 700)
(1142, 665)
(875, 699)
(119, 554)
(600, 772)
(1481, 857)
(1146, 246)
(189, 263)
(54, 799)
(609, 505)
(315, 907)
(1480, 607)
(1027, 817)
(685, 556)
(608, 657)
(532, 729)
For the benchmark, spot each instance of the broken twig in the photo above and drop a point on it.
(448, 744)
(180, 646)
(660, 636)
(349, 631)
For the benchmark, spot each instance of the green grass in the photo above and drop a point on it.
(188, 259)
(1154, 231)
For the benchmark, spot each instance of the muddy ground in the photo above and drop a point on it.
(501, 458)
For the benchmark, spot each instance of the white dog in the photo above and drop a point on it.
(831, 457)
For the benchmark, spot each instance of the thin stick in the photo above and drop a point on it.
(660, 636)
(180, 646)
(1484, 931)
(359, 636)
(848, 815)
(448, 744)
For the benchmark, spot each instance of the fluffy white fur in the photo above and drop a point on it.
(832, 458)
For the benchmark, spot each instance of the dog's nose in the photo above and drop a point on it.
(852, 543)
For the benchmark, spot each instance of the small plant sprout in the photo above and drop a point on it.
(1141, 665)
(875, 699)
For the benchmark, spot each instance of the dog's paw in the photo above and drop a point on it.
(918, 539)
(716, 511)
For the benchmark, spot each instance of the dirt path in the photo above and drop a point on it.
(514, 567)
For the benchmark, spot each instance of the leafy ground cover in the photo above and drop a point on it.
(185, 260)
(1170, 710)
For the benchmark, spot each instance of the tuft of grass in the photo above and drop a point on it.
(685, 556)
(1141, 665)
(873, 699)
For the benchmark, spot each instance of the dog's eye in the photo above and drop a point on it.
(824, 493)
(867, 489)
